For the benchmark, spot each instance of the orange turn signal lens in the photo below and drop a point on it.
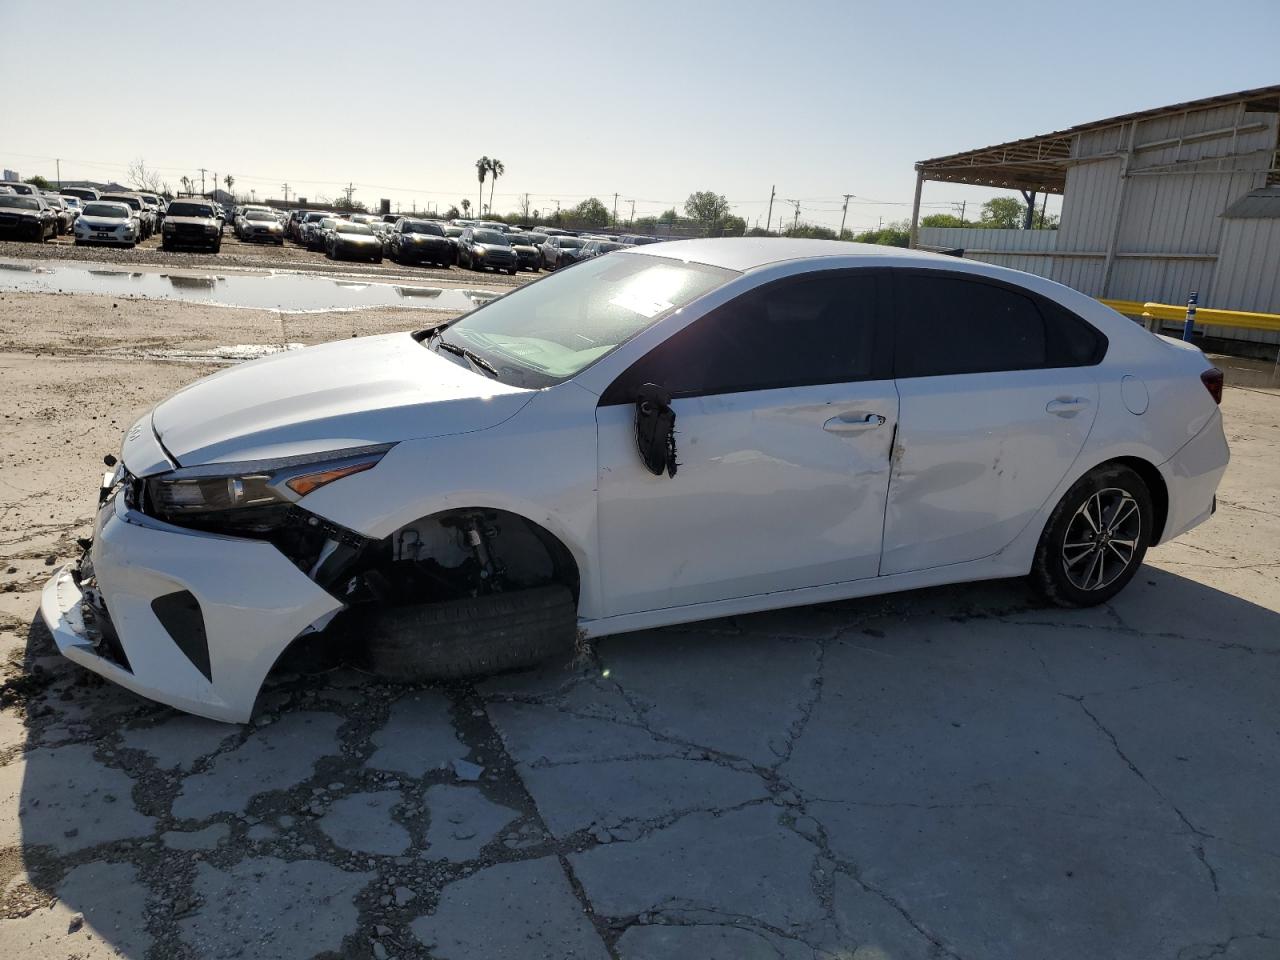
(314, 481)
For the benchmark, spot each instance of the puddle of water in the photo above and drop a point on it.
(1244, 372)
(289, 293)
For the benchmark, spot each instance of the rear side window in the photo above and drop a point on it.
(951, 325)
(787, 334)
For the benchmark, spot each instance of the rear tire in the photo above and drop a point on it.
(1108, 516)
(472, 636)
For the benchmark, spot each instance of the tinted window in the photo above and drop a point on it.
(178, 209)
(115, 210)
(952, 325)
(490, 236)
(790, 333)
(26, 203)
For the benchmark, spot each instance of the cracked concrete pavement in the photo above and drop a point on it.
(950, 773)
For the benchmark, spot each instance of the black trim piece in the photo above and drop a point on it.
(180, 614)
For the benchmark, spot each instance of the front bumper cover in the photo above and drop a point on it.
(251, 601)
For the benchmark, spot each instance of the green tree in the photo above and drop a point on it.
(39, 181)
(896, 234)
(706, 207)
(496, 169)
(589, 213)
(810, 231)
(346, 203)
(482, 171)
(729, 226)
(943, 220)
(466, 207)
(1003, 213)
(229, 180)
(452, 213)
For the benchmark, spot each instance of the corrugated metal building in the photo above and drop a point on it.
(1156, 204)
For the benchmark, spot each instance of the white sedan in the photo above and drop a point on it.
(106, 222)
(680, 431)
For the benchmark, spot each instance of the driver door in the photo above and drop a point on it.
(785, 412)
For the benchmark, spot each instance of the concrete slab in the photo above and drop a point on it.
(611, 793)
(269, 909)
(462, 822)
(418, 736)
(363, 823)
(179, 740)
(98, 915)
(744, 863)
(206, 839)
(727, 939)
(64, 798)
(736, 694)
(512, 911)
(540, 733)
(272, 758)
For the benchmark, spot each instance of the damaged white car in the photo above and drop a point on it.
(670, 433)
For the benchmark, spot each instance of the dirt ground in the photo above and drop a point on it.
(955, 773)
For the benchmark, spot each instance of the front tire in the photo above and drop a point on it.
(471, 636)
(1096, 538)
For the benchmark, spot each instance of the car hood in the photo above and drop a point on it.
(357, 237)
(200, 221)
(350, 393)
(104, 223)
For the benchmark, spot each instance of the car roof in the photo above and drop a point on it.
(747, 253)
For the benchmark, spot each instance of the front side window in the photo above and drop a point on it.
(549, 331)
(790, 333)
(949, 325)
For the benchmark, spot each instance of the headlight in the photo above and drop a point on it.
(479, 251)
(249, 498)
(210, 229)
(168, 228)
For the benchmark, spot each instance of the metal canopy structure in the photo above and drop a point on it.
(1038, 165)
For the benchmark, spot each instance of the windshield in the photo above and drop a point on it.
(569, 242)
(71, 201)
(26, 203)
(132, 202)
(421, 226)
(113, 211)
(344, 227)
(313, 217)
(521, 240)
(178, 209)
(548, 331)
(490, 236)
(453, 231)
(259, 215)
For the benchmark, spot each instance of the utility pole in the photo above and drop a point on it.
(615, 209)
(286, 194)
(796, 222)
(842, 215)
(349, 189)
(215, 185)
(59, 163)
(632, 219)
(962, 204)
(769, 220)
(202, 172)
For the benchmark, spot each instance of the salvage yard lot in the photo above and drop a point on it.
(957, 772)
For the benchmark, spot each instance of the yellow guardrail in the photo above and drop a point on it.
(1205, 316)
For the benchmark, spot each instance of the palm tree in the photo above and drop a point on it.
(466, 208)
(229, 180)
(482, 171)
(186, 184)
(497, 169)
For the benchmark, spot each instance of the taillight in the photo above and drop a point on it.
(1212, 380)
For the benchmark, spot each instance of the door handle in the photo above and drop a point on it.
(853, 423)
(1067, 406)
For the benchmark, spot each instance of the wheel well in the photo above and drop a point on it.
(458, 553)
(1156, 485)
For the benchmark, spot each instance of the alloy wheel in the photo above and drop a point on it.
(1102, 539)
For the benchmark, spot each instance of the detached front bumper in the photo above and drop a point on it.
(190, 619)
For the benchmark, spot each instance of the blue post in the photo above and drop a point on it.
(1191, 315)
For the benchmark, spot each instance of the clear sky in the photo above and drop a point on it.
(649, 99)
